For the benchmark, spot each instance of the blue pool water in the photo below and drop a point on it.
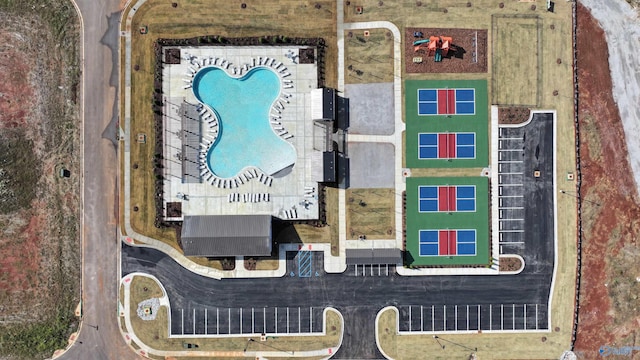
(242, 106)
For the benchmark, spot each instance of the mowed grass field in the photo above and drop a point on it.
(368, 59)
(195, 18)
(517, 71)
(371, 212)
(155, 333)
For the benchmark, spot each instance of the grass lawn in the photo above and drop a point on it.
(369, 59)
(154, 333)
(376, 219)
(517, 48)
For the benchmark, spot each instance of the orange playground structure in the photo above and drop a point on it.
(436, 46)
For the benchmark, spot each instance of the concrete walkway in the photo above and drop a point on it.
(145, 350)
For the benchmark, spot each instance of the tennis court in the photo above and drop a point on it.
(446, 146)
(447, 242)
(446, 198)
(457, 140)
(446, 102)
(447, 221)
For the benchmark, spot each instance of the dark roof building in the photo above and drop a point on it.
(373, 256)
(227, 235)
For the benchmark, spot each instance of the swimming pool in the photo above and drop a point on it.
(242, 106)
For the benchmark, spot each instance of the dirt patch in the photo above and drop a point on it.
(39, 230)
(470, 57)
(609, 309)
(513, 115)
(510, 263)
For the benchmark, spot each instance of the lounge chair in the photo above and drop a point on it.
(270, 181)
(288, 136)
(288, 86)
(285, 75)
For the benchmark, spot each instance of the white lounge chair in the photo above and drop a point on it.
(186, 86)
(288, 136)
(285, 75)
(288, 86)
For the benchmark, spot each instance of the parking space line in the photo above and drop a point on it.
(445, 317)
(478, 316)
(387, 268)
(512, 242)
(409, 317)
(513, 316)
(512, 207)
(299, 323)
(536, 316)
(524, 313)
(510, 149)
(501, 316)
(433, 318)
(421, 318)
(512, 231)
(182, 316)
(355, 270)
(456, 317)
(500, 237)
(217, 321)
(229, 328)
(501, 249)
(310, 319)
(287, 319)
(511, 219)
(275, 317)
(511, 138)
(512, 196)
(500, 190)
(509, 161)
(363, 269)
(511, 185)
(240, 320)
(499, 144)
(206, 321)
(500, 132)
(253, 323)
(371, 270)
(468, 318)
(194, 320)
(500, 214)
(264, 320)
(511, 173)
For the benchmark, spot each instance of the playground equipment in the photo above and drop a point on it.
(436, 46)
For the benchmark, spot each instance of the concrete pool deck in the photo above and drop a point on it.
(286, 192)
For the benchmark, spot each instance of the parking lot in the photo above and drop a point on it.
(511, 177)
(264, 320)
(485, 317)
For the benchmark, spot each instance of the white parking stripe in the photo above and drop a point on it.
(310, 319)
(445, 317)
(467, 317)
(217, 320)
(206, 321)
(536, 316)
(512, 231)
(511, 138)
(229, 329)
(512, 196)
(275, 316)
(511, 242)
(240, 320)
(421, 318)
(524, 314)
(253, 323)
(264, 320)
(194, 320)
(299, 323)
(433, 319)
(512, 208)
(509, 161)
(409, 317)
(491, 314)
(513, 316)
(456, 317)
(287, 319)
(511, 219)
(501, 316)
(511, 184)
(511, 173)
(182, 316)
(478, 316)
(510, 149)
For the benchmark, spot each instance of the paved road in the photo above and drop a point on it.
(100, 270)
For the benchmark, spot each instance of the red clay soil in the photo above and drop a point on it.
(607, 316)
(462, 62)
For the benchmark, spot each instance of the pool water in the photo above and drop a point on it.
(242, 106)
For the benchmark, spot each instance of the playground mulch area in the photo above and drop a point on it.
(461, 61)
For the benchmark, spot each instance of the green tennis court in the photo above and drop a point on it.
(447, 123)
(447, 221)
